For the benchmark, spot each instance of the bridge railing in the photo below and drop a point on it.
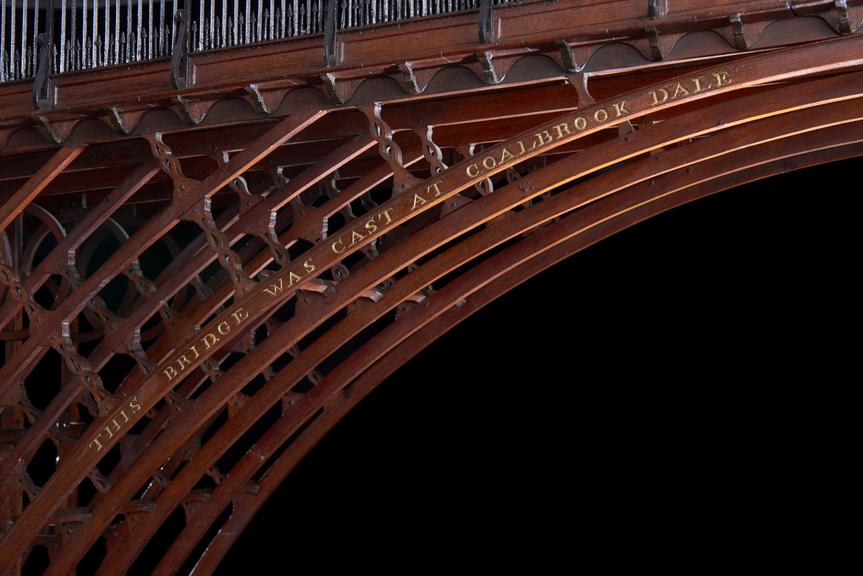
(87, 34)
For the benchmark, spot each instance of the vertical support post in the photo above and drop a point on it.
(180, 64)
(331, 49)
(486, 22)
(43, 85)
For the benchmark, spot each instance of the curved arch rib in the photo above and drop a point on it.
(246, 503)
(823, 57)
(598, 187)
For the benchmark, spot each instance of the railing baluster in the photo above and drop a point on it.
(23, 70)
(234, 25)
(248, 6)
(84, 33)
(150, 28)
(106, 34)
(34, 53)
(115, 36)
(3, 73)
(137, 30)
(94, 34)
(260, 20)
(12, 59)
(282, 20)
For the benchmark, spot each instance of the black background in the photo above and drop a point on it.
(666, 388)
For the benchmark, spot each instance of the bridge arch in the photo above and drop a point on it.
(320, 249)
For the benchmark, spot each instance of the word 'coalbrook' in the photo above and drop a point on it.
(580, 123)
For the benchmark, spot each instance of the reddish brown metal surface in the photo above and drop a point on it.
(187, 279)
(506, 267)
(247, 502)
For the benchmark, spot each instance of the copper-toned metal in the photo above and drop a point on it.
(247, 502)
(233, 486)
(561, 172)
(193, 263)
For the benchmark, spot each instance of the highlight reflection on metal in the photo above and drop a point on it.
(97, 33)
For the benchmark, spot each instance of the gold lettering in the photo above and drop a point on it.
(506, 156)
(308, 265)
(356, 237)
(580, 123)
(620, 108)
(341, 243)
(115, 426)
(436, 189)
(182, 362)
(475, 168)
(418, 201)
(561, 129)
(208, 342)
(195, 350)
(371, 226)
(293, 279)
(657, 101)
(679, 90)
(275, 288)
(543, 138)
(227, 329)
(170, 372)
(240, 315)
(485, 163)
(521, 149)
(722, 78)
(386, 213)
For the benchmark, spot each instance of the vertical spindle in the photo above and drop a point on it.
(23, 38)
(35, 33)
(235, 36)
(2, 40)
(150, 28)
(94, 34)
(12, 60)
(139, 26)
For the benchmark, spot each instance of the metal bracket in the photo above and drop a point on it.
(486, 22)
(657, 8)
(653, 41)
(180, 63)
(331, 47)
(737, 30)
(43, 85)
(843, 24)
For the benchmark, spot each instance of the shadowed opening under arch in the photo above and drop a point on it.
(666, 402)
